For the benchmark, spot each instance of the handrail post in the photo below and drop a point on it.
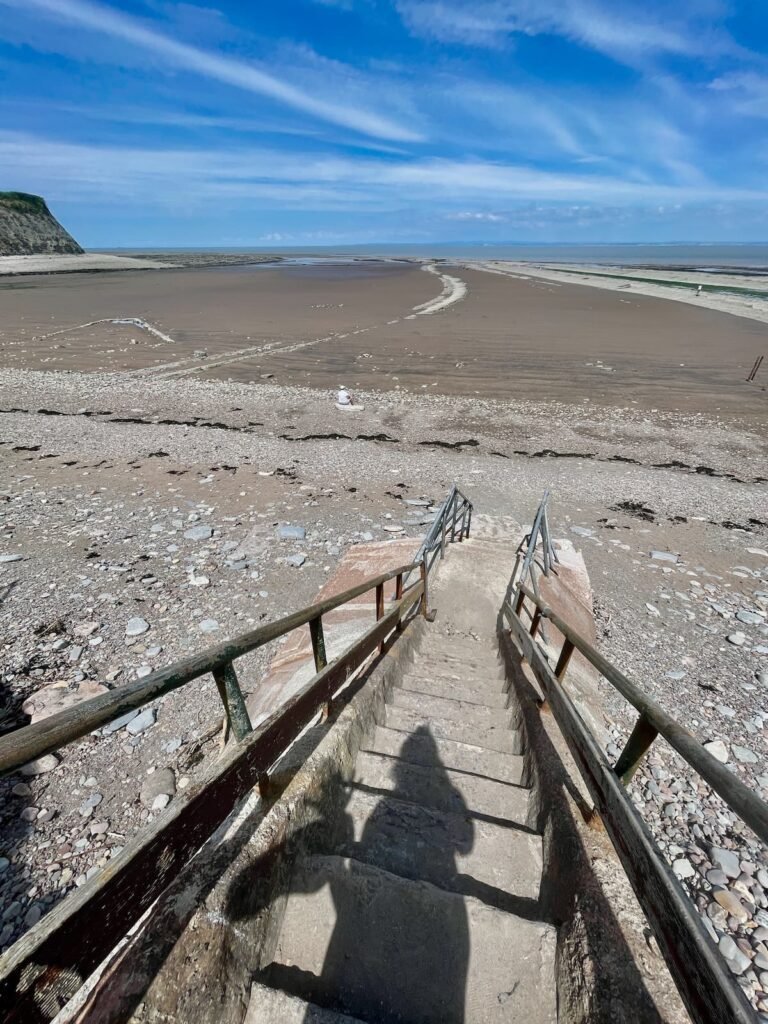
(398, 596)
(469, 520)
(520, 601)
(562, 662)
(535, 621)
(454, 516)
(233, 701)
(318, 643)
(636, 748)
(442, 532)
(380, 609)
(463, 520)
(424, 605)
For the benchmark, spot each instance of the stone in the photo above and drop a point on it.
(737, 639)
(29, 814)
(143, 670)
(675, 675)
(726, 860)
(737, 961)
(208, 626)
(22, 789)
(172, 745)
(664, 556)
(160, 802)
(718, 749)
(55, 697)
(743, 754)
(87, 806)
(142, 722)
(717, 877)
(652, 609)
(199, 533)
(33, 915)
(4, 865)
(6, 559)
(159, 783)
(683, 868)
(296, 561)
(731, 904)
(291, 533)
(120, 723)
(199, 581)
(136, 626)
(41, 766)
(582, 531)
(750, 618)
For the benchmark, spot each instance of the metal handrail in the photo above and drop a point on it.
(454, 504)
(703, 979)
(33, 741)
(739, 797)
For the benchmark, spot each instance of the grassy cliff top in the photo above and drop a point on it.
(23, 201)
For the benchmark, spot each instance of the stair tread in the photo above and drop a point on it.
(442, 788)
(500, 737)
(481, 716)
(442, 750)
(441, 686)
(382, 947)
(451, 850)
(273, 1006)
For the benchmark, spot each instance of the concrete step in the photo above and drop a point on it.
(471, 690)
(501, 738)
(479, 716)
(272, 1006)
(427, 749)
(499, 864)
(460, 668)
(385, 948)
(442, 788)
(473, 652)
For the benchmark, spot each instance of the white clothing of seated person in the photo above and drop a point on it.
(345, 401)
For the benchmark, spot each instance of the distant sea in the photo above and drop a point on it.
(703, 256)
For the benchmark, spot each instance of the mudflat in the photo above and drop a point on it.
(369, 325)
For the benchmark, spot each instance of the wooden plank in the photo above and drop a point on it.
(41, 971)
(24, 745)
(739, 797)
(636, 748)
(318, 642)
(706, 985)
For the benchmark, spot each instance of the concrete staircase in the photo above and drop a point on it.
(424, 908)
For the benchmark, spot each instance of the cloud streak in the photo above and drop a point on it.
(237, 73)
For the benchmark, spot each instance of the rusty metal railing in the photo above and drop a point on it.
(452, 522)
(706, 985)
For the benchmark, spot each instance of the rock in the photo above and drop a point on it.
(717, 877)
(291, 533)
(87, 806)
(683, 868)
(675, 675)
(652, 609)
(142, 722)
(6, 559)
(199, 533)
(160, 802)
(4, 865)
(33, 915)
(208, 626)
(394, 529)
(582, 531)
(296, 561)
(199, 581)
(737, 961)
(731, 904)
(738, 639)
(21, 789)
(136, 626)
(120, 723)
(143, 670)
(58, 697)
(718, 749)
(29, 814)
(41, 766)
(726, 860)
(762, 677)
(73, 654)
(751, 618)
(159, 783)
(171, 746)
(662, 556)
(5, 935)
(152, 652)
(743, 754)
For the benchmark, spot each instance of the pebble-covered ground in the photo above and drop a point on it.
(139, 525)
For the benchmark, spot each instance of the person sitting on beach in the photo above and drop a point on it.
(344, 397)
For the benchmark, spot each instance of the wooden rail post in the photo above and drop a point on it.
(519, 602)
(232, 699)
(424, 605)
(637, 746)
(469, 521)
(318, 643)
(535, 621)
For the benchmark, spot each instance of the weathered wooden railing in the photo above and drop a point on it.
(41, 971)
(706, 985)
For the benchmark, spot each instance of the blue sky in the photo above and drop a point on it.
(358, 121)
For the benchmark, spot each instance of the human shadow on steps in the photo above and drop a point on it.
(374, 946)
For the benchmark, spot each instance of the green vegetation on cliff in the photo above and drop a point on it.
(27, 226)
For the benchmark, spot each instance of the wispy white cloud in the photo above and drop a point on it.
(477, 216)
(153, 177)
(747, 90)
(237, 73)
(624, 30)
